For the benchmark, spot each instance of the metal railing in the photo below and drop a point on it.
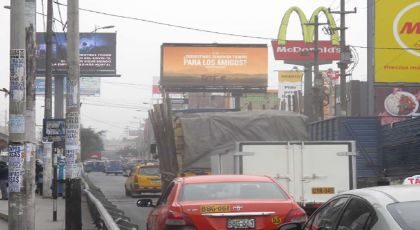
(105, 214)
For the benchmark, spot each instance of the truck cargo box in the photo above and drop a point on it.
(366, 132)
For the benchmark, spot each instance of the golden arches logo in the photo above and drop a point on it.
(307, 30)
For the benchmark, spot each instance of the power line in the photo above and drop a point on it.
(169, 25)
(204, 30)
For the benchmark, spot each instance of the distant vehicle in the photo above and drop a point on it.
(113, 166)
(222, 202)
(376, 208)
(144, 178)
(94, 166)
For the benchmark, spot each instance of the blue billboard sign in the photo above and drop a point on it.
(97, 54)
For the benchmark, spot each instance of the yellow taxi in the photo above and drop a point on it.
(143, 178)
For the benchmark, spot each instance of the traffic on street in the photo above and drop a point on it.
(210, 115)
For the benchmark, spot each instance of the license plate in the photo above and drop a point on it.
(248, 223)
(323, 190)
(215, 208)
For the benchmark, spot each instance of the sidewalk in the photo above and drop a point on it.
(44, 212)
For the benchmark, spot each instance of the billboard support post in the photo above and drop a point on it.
(370, 56)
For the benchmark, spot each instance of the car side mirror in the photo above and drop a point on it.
(290, 226)
(145, 203)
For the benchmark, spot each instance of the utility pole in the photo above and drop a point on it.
(319, 84)
(72, 139)
(345, 55)
(48, 63)
(17, 108)
(48, 95)
(30, 126)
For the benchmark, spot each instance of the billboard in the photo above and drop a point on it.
(397, 43)
(395, 104)
(97, 54)
(214, 66)
(89, 86)
(303, 50)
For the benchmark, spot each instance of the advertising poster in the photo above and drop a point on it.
(16, 162)
(397, 43)
(89, 86)
(395, 104)
(290, 82)
(97, 54)
(214, 65)
(17, 75)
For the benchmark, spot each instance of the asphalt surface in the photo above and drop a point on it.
(113, 188)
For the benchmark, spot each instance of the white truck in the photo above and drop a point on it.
(311, 171)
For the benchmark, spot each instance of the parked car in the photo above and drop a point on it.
(113, 166)
(376, 208)
(222, 202)
(144, 178)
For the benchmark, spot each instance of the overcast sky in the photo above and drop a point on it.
(138, 44)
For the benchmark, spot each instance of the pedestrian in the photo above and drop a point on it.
(39, 168)
(4, 176)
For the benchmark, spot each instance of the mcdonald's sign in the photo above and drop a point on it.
(302, 50)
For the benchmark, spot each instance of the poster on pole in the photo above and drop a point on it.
(17, 75)
(16, 162)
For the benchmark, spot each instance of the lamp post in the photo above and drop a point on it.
(102, 28)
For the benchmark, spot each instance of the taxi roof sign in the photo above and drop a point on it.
(412, 180)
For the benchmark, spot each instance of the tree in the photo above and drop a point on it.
(91, 141)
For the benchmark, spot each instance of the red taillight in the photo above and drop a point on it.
(178, 219)
(296, 215)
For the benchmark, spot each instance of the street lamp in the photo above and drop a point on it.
(102, 27)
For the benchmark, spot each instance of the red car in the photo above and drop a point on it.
(222, 202)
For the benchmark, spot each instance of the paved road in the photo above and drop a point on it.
(113, 188)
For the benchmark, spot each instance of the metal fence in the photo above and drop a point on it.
(105, 214)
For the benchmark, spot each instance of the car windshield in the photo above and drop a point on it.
(232, 190)
(406, 214)
(152, 171)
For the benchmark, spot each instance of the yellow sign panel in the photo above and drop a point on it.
(397, 41)
(290, 76)
(323, 190)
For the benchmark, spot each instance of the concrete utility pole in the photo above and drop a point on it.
(72, 138)
(319, 85)
(345, 56)
(48, 63)
(17, 108)
(30, 126)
